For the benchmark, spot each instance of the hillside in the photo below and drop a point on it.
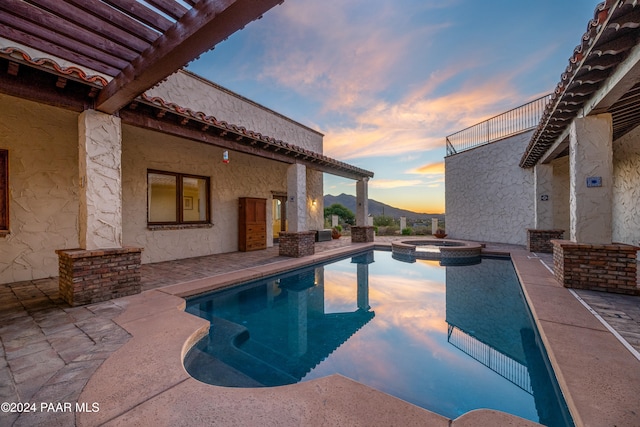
(377, 208)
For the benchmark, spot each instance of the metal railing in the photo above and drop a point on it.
(512, 122)
(498, 362)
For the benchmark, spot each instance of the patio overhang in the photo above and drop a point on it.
(603, 76)
(136, 44)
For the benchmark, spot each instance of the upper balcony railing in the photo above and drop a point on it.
(510, 123)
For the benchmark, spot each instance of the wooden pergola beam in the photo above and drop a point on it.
(208, 23)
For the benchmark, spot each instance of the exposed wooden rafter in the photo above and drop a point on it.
(136, 43)
(198, 30)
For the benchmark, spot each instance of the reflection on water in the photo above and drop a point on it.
(391, 325)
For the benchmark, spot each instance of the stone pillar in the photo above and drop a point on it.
(543, 176)
(403, 223)
(334, 221)
(589, 260)
(362, 202)
(100, 166)
(434, 225)
(297, 198)
(591, 180)
(362, 232)
(297, 241)
(101, 269)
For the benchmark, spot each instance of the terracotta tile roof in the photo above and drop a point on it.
(266, 143)
(73, 72)
(610, 37)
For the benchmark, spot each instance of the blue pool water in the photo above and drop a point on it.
(448, 339)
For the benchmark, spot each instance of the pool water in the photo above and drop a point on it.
(448, 339)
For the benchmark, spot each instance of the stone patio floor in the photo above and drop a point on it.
(50, 350)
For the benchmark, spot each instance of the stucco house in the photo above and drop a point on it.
(562, 173)
(112, 155)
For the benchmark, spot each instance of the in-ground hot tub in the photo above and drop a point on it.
(449, 252)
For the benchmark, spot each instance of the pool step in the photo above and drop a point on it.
(222, 346)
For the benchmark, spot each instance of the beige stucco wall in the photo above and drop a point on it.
(488, 196)
(43, 182)
(243, 176)
(626, 189)
(189, 90)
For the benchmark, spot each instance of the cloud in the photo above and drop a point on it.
(393, 183)
(417, 123)
(342, 52)
(429, 169)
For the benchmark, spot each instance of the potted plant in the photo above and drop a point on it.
(440, 234)
(336, 232)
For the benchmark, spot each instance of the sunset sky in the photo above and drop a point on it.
(386, 80)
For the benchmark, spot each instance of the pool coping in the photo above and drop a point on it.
(144, 382)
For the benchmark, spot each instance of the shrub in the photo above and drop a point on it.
(343, 213)
(383, 221)
(421, 230)
(406, 231)
(391, 230)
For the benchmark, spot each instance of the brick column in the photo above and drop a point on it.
(540, 240)
(297, 245)
(101, 269)
(362, 234)
(88, 277)
(609, 268)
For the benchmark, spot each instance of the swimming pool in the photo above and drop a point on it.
(448, 339)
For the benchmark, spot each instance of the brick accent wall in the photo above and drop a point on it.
(609, 268)
(362, 234)
(90, 276)
(297, 245)
(540, 240)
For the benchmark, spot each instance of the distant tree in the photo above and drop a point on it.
(343, 213)
(383, 221)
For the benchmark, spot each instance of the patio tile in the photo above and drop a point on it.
(8, 391)
(19, 347)
(76, 370)
(26, 365)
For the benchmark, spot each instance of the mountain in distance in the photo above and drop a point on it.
(377, 208)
